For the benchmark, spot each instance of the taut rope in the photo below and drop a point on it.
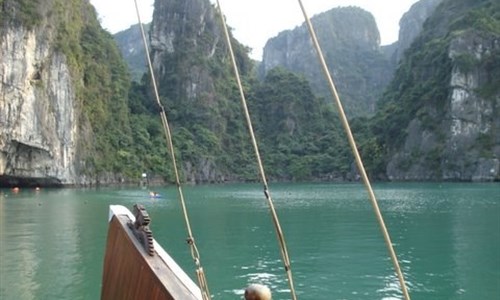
(166, 128)
(356, 154)
(279, 232)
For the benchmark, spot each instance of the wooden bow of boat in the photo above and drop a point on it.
(130, 272)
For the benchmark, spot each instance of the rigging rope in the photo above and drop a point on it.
(200, 274)
(277, 226)
(356, 154)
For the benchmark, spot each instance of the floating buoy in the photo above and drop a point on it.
(15, 189)
(257, 292)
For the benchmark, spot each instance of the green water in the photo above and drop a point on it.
(447, 237)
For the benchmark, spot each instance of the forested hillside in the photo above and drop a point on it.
(300, 134)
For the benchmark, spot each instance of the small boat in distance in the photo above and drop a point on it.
(153, 194)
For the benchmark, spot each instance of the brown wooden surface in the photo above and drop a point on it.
(130, 274)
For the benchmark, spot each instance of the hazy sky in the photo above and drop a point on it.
(255, 21)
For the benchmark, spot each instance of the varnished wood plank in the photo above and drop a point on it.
(131, 274)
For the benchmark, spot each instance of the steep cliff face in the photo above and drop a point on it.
(191, 62)
(51, 102)
(472, 150)
(410, 25)
(453, 112)
(37, 108)
(351, 44)
(186, 30)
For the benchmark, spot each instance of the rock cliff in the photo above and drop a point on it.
(38, 113)
(191, 62)
(410, 25)
(49, 57)
(351, 44)
(454, 115)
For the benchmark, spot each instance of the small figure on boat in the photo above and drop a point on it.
(154, 194)
(257, 292)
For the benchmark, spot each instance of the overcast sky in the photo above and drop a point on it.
(255, 21)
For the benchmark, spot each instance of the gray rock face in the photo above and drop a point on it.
(466, 145)
(410, 25)
(190, 58)
(471, 115)
(191, 20)
(179, 27)
(350, 42)
(38, 132)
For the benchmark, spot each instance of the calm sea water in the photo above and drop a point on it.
(447, 237)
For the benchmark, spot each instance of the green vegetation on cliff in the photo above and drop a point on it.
(299, 133)
(198, 90)
(20, 12)
(102, 85)
(421, 87)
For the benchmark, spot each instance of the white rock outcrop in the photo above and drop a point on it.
(38, 118)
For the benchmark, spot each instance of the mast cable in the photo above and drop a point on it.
(166, 128)
(356, 154)
(279, 232)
